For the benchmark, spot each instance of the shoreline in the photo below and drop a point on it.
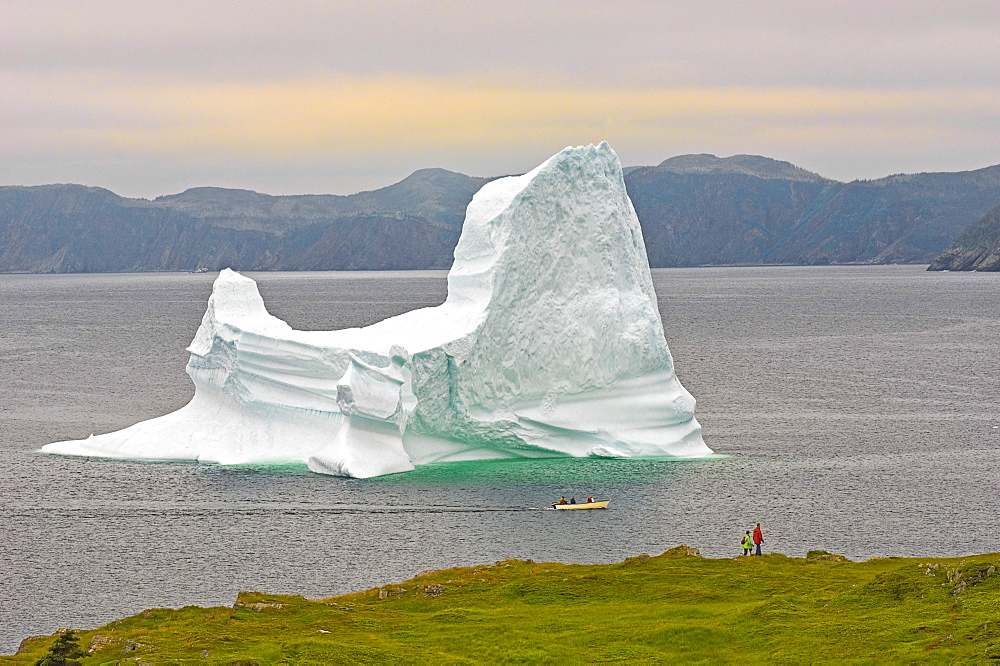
(676, 605)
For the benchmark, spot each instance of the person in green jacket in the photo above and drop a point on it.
(747, 543)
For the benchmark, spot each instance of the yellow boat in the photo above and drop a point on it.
(602, 504)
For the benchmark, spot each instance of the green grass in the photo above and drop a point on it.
(646, 609)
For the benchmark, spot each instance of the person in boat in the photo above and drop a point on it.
(572, 500)
(562, 500)
(747, 543)
(590, 500)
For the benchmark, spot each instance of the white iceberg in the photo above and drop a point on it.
(549, 344)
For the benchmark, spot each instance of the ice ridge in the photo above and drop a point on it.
(549, 344)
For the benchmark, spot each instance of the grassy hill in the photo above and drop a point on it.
(676, 606)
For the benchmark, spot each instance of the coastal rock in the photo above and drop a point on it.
(824, 556)
(682, 551)
(98, 642)
(433, 590)
(977, 248)
(392, 591)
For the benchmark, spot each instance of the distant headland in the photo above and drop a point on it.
(695, 210)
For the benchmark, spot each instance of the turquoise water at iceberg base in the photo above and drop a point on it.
(855, 409)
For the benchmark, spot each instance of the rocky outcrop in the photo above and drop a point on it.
(965, 576)
(975, 249)
(682, 550)
(824, 556)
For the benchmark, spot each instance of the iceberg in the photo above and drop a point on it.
(549, 344)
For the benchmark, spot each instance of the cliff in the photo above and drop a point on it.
(70, 228)
(694, 210)
(975, 249)
(749, 209)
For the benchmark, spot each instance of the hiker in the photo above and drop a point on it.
(747, 543)
(758, 538)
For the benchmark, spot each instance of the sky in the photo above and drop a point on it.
(152, 97)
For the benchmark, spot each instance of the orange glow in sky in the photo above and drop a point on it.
(150, 98)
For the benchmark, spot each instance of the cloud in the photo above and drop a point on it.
(779, 43)
(847, 88)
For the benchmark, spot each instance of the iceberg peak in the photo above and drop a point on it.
(549, 344)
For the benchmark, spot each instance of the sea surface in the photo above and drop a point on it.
(856, 409)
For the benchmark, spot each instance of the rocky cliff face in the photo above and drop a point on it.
(700, 210)
(975, 249)
(694, 209)
(70, 228)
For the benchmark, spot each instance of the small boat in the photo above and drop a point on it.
(596, 504)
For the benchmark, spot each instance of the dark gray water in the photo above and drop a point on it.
(857, 408)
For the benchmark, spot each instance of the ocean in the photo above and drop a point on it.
(854, 409)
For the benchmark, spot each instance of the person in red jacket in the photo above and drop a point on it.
(758, 538)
